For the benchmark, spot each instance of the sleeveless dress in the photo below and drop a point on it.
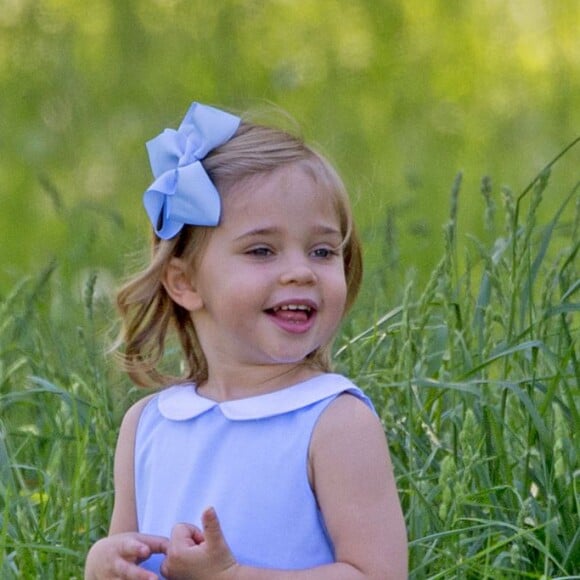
(248, 458)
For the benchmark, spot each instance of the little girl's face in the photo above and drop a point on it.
(270, 285)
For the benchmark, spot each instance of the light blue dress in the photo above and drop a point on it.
(248, 458)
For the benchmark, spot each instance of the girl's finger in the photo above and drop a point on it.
(211, 527)
(132, 548)
(156, 544)
(186, 534)
(128, 571)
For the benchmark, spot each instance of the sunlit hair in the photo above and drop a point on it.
(148, 313)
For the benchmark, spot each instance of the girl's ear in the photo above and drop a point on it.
(179, 284)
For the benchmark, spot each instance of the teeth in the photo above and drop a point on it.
(295, 307)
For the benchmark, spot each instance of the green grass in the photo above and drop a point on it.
(475, 375)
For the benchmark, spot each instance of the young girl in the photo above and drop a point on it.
(255, 262)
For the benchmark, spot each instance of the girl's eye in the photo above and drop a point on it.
(260, 252)
(324, 253)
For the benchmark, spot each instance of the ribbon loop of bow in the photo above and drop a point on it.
(182, 192)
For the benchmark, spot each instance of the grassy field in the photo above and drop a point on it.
(475, 375)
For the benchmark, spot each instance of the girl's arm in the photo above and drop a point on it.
(353, 480)
(352, 477)
(118, 555)
(124, 517)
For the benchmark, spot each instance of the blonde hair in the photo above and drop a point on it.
(148, 314)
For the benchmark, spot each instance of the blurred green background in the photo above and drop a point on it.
(400, 94)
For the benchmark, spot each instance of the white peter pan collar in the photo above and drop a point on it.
(182, 402)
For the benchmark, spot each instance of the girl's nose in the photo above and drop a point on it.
(298, 273)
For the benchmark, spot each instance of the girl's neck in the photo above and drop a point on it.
(252, 382)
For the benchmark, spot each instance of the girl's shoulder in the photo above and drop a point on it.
(134, 411)
(349, 424)
(346, 396)
(133, 414)
(351, 409)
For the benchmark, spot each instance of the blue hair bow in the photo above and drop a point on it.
(182, 192)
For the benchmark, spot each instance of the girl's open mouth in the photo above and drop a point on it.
(293, 313)
(295, 318)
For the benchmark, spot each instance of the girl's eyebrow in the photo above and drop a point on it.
(270, 231)
(258, 232)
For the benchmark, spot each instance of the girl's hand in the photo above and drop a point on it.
(197, 555)
(117, 557)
